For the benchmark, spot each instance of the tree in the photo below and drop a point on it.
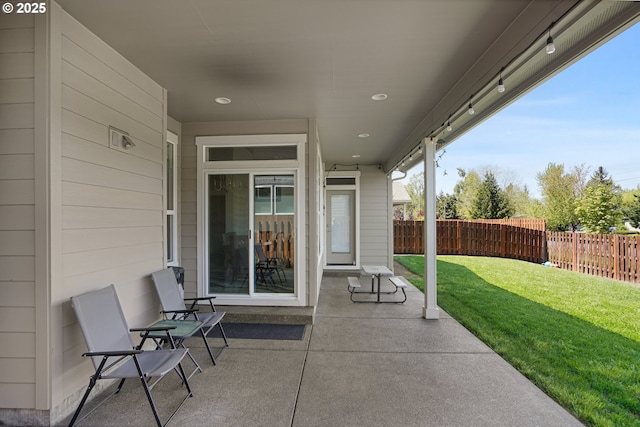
(600, 177)
(446, 206)
(519, 200)
(491, 201)
(560, 192)
(598, 209)
(632, 211)
(465, 192)
(415, 188)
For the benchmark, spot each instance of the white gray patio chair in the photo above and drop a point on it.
(173, 307)
(113, 352)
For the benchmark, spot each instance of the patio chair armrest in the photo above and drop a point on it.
(199, 298)
(180, 314)
(112, 353)
(195, 300)
(154, 329)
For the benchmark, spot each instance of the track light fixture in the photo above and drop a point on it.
(550, 46)
(501, 87)
(458, 115)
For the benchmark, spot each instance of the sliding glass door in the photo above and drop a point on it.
(250, 237)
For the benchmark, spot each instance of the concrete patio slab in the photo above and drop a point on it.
(395, 389)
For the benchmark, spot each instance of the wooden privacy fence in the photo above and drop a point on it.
(607, 255)
(456, 237)
(533, 223)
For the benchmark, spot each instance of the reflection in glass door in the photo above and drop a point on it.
(229, 247)
(274, 237)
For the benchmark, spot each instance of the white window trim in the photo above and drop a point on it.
(172, 139)
(297, 167)
(356, 187)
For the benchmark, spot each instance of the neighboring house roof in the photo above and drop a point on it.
(400, 194)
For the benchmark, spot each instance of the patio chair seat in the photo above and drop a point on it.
(153, 363)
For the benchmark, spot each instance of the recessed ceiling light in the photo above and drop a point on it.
(355, 156)
(379, 97)
(222, 100)
(363, 135)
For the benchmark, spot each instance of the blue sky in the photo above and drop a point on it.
(587, 114)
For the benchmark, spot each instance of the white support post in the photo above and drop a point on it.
(430, 309)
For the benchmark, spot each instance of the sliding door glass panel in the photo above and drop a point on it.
(229, 248)
(274, 234)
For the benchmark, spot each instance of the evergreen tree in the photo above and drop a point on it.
(446, 206)
(491, 201)
(600, 177)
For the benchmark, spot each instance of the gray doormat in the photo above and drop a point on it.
(260, 331)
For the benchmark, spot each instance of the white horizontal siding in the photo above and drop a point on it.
(16, 90)
(17, 220)
(14, 294)
(374, 237)
(22, 345)
(16, 65)
(112, 213)
(16, 370)
(18, 395)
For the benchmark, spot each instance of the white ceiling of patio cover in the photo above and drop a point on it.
(322, 59)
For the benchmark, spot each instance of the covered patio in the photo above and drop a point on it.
(357, 365)
(136, 136)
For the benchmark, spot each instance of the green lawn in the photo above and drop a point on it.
(575, 336)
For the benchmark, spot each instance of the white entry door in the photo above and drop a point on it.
(341, 225)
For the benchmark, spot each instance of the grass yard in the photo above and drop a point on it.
(577, 337)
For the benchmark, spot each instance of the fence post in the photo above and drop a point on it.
(616, 260)
(574, 249)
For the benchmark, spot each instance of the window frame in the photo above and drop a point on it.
(171, 215)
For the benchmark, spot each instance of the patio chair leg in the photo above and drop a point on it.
(120, 386)
(206, 344)
(150, 398)
(224, 336)
(92, 383)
